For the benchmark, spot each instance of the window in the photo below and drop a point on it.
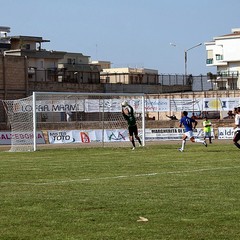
(219, 57)
(210, 54)
(107, 79)
(71, 61)
(209, 61)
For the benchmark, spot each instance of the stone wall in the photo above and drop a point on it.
(13, 78)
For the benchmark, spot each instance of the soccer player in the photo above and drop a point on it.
(207, 129)
(189, 124)
(128, 115)
(236, 137)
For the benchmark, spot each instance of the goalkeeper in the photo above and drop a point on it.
(128, 114)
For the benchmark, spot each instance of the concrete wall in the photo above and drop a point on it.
(141, 88)
(64, 87)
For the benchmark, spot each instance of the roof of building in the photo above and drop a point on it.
(235, 34)
(29, 38)
(4, 29)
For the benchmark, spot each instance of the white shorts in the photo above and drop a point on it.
(189, 134)
(237, 129)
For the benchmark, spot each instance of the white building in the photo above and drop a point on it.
(224, 53)
(127, 75)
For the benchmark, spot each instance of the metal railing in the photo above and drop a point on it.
(198, 83)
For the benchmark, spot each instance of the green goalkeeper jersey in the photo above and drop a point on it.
(131, 120)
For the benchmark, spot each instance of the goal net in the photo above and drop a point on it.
(20, 118)
(86, 119)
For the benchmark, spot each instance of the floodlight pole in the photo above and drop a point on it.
(185, 57)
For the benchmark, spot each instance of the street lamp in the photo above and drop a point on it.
(185, 57)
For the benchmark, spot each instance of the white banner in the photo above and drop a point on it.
(117, 135)
(156, 105)
(111, 105)
(225, 132)
(88, 136)
(169, 134)
(60, 137)
(186, 104)
(220, 104)
(114, 105)
(5, 137)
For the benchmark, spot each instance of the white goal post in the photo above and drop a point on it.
(87, 119)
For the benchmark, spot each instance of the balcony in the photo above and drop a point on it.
(228, 74)
(209, 61)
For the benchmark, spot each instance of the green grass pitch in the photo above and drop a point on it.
(100, 193)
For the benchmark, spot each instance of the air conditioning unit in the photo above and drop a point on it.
(60, 78)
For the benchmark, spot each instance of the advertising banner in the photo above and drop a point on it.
(220, 104)
(178, 105)
(88, 136)
(5, 137)
(114, 105)
(60, 137)
(117, 135)
(169, 134)
(225, 132)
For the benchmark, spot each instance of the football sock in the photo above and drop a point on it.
(237, 145)
(139, 140)
(183, 144)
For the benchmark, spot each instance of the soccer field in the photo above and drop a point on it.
(100, 193)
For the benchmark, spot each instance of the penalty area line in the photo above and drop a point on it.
(58, 182)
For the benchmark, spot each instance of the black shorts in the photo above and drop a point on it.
(133, 130)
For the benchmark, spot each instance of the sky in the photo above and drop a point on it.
(128, 33)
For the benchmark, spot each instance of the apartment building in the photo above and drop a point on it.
(127, 75)
(48, 66)
(224, 53)
(77, 68)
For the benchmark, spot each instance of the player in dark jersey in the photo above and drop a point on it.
(128, 115)
(189, 124)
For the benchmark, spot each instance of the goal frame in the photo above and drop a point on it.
(36, 94)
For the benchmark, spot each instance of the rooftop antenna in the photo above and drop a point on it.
(96, 52)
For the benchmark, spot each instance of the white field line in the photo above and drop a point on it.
(57, 182)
